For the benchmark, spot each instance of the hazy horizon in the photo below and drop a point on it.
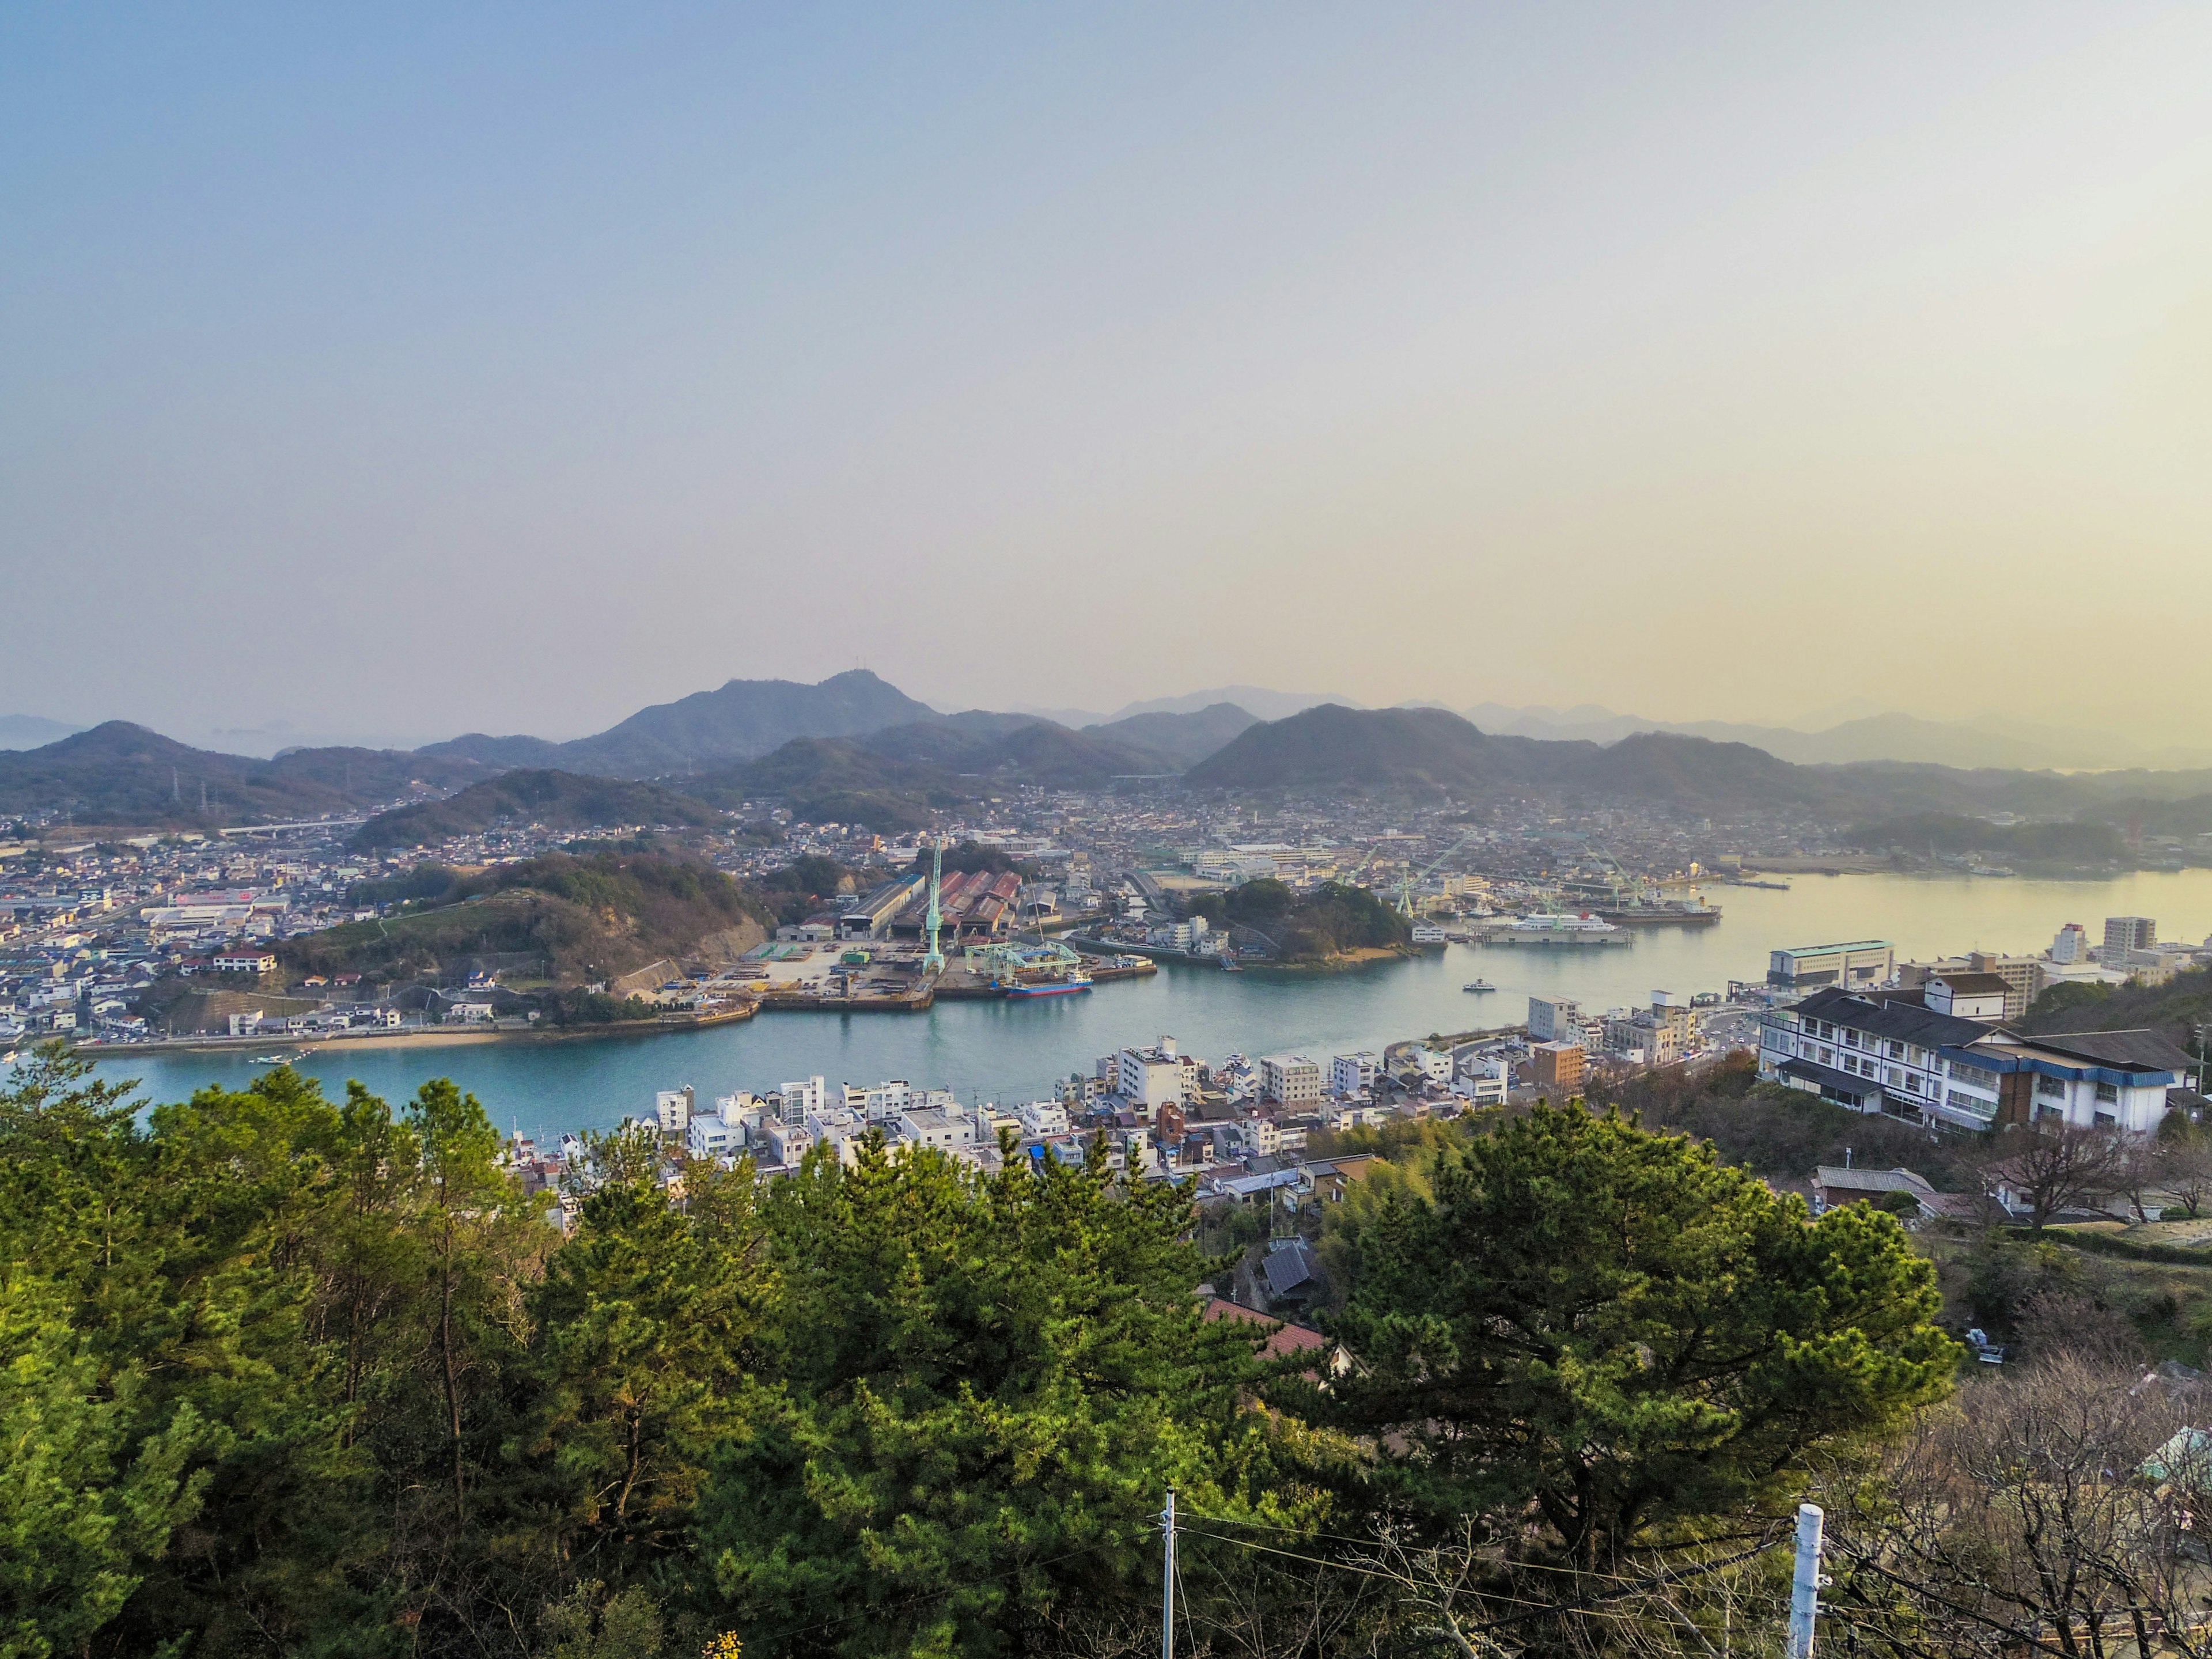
(413, 372)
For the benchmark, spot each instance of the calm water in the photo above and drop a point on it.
(1002, 1051)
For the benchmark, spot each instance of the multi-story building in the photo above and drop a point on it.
(1292, 1080)
(1553, 1019)
(1897, 1055)
(927, 1126)
(1557, 1065)
(2072, 945)
(2086, 1080)
(1483, 1079)
(1875, 1054)
(1352, 1074)
(2023, 978)
(1040, 1118)
(671, 1110)
(1148, 1078)
(2130, 934)
(797, 1099)
(1984, 998)
(1812, 967)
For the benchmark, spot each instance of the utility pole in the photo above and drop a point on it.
(1805, 1585)
(1167, 1587)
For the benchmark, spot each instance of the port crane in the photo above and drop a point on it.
(1628, 890)
(1406, 889)
(933, 961)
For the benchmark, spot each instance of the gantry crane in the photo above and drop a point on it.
(1405, 890)
(933, 961)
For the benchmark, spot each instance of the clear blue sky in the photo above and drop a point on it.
(401, 371)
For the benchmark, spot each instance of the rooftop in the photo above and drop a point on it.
(1886, 1018)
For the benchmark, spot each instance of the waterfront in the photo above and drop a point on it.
(1014, 1051)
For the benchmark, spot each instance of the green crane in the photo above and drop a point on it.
(1406, 889)
(933, 961)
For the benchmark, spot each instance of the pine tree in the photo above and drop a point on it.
(1612, 1330)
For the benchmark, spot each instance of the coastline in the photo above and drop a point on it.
(460, 1036)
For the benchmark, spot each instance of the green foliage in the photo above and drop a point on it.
(1613, 1329)
(281, 1374)
(428, 881)
(1332, 920)
(82, 1506)
(597, 1008)
(2173, 1009)
(983, 1387)
(1778, 1131)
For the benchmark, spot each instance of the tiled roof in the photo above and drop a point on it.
(1891, 1019)
(2133, 1051)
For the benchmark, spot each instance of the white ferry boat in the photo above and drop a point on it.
(1557, 931)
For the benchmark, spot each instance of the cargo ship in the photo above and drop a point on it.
(1066, 984)
(1660, 913)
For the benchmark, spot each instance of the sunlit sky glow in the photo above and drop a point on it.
(399, 372)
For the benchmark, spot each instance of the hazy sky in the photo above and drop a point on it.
(404, 372)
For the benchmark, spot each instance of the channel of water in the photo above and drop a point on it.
(1013, 1051)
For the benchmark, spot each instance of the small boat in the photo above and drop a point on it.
(1478, 985)
(269, 1059)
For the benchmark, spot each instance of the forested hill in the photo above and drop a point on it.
(552, 800)
(123, 775)
(589, 918)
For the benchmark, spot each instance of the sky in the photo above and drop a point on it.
(394, 372)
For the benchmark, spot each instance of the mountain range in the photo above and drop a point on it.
(1983, 740)
(855, 748)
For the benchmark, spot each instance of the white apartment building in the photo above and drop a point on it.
(712, 1135)
(1555, 1019)
(1352, 1074)
(1435, 1065)
(1148, 1078)
(1292, 1080)
(1040, 1118)
(671, 1110)
(927, 1126)
(1484, 1080)
(796, 1100)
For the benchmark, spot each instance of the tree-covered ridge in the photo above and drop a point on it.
(589, 918)
(281, 1374)
(1333, 919)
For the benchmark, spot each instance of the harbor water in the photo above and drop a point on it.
(1006, 1051)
